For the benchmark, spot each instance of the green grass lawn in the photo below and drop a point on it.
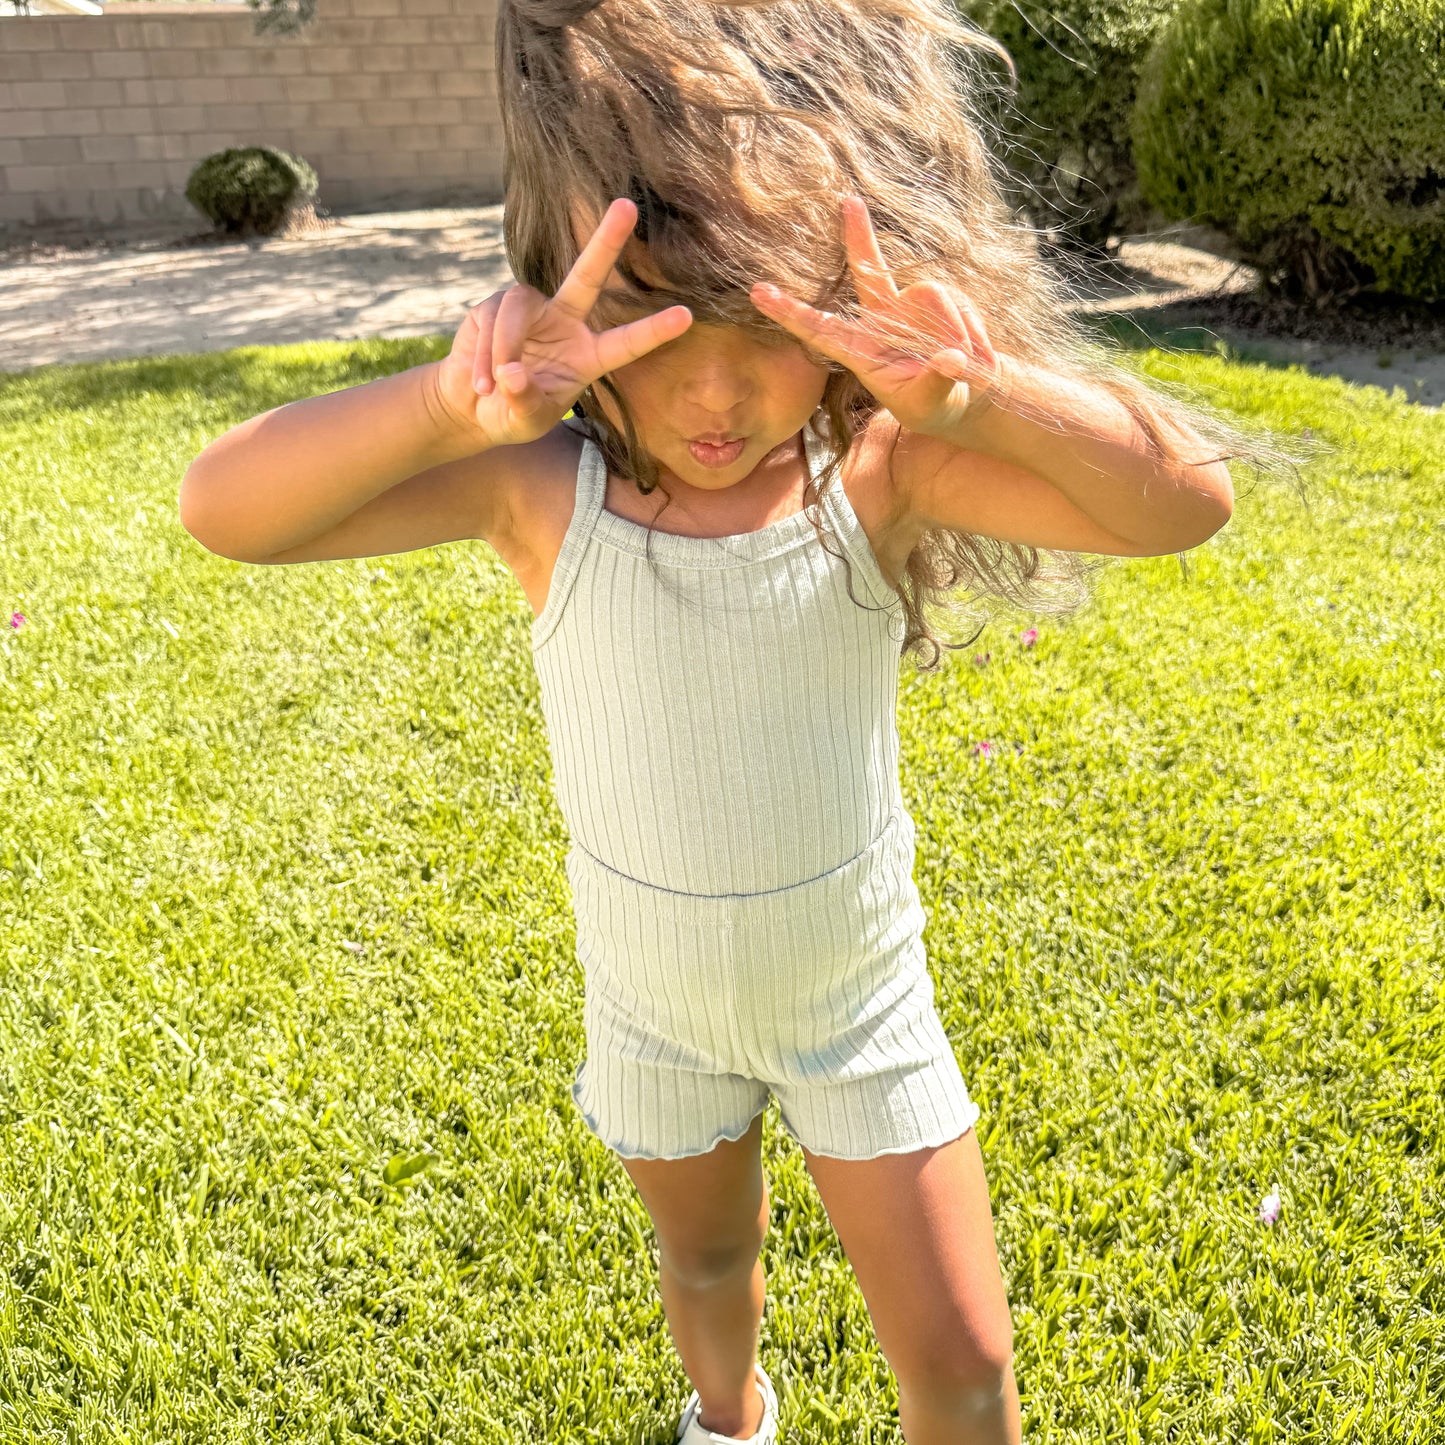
(282, 901)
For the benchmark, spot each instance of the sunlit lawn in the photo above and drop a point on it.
(282, 900)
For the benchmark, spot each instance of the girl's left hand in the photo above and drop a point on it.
(930, 396)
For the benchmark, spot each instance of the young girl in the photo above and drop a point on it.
(766, 271)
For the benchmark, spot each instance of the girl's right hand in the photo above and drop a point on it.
(520, 359)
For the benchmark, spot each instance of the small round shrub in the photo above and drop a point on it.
(1311, 131)
(1066, 131)
(251, 188)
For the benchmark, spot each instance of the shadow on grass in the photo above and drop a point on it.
(1175, 328)
(244, 381)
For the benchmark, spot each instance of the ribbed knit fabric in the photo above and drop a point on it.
(736, 738)
(726, 758)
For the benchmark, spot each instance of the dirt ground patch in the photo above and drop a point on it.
(413, 273)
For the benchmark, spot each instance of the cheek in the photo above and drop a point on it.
(655, 386)
(640, 387)
(796, 376)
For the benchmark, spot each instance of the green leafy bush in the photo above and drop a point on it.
(251, 188)
(1311, 131)
(1068, 126)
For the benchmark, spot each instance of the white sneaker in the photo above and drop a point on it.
(691, 1432)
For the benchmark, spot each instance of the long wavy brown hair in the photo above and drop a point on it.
(737, 126)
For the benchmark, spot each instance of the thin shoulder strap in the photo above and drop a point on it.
(591, 490)
(591, 479)
(850, 530)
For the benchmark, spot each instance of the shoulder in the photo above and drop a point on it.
(523, 480)
(874, 476)
(540, 485)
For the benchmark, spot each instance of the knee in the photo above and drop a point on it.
(709, 1265)
(958, 1370)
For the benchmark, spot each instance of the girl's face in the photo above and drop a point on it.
(714, 383)
(710, 384)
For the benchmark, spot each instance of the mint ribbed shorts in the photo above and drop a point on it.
(699, 1007)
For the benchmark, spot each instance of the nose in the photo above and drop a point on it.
(717, 390)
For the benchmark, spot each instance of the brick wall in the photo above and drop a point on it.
(102, 117)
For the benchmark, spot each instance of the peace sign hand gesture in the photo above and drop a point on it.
(931, 395)
(520, 359)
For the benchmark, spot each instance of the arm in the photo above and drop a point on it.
(1053, 462)
(369, 470)
(1033, 457)
(395, 464)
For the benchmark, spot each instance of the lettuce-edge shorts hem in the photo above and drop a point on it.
(630, 1149)
(929, 1141)
(958, 1114)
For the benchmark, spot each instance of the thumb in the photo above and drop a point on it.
(953, 363)
(521, 391)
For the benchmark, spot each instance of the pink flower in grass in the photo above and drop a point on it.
(16, 618)
(984, 748)
(1030, 637)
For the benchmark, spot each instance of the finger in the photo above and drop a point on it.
(871, 273)
(979, 355)
(964, 318)
(928, 309)
(520, 307)
(953, 363)
(521, 391)
(830, 335)
(582, 285)
(627, 343)
(484, 318)
(976, 332)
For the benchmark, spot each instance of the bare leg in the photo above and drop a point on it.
(983, 1420)
(918, 1230)
(710, 1215)
(715, 1328)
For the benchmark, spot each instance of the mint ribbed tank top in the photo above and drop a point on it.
(729, 727)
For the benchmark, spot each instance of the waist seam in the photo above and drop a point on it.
(890, 821)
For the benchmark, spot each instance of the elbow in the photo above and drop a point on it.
(1224, 497)
(192, 515)
(1222, 484)
(192, 512)
(1219, 526)
(1221, 520)
(187, 509)
(1215, 502)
